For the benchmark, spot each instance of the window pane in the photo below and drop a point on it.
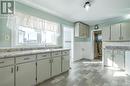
(27, 35)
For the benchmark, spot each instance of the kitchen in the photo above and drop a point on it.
(64, 43)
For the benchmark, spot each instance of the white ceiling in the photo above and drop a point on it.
(73, 10)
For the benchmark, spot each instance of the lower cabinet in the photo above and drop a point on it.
(7, 76)
(127, 63)
(56, 66)
(26, 74)
(114, 58)
(65, 63)
(43, 70)
(108, 58)
(119, 59)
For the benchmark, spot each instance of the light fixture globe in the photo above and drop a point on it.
(87, 5)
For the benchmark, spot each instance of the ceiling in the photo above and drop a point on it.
(73, 10)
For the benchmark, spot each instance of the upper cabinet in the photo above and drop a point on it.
(106, 33)
(117, 32)
(125, 31)
(81, 30)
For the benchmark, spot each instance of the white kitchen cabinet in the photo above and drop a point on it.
(119, 59)
(115, 32)
(56, 66)
(65, 63)
(108, 57)
(81, 30)
(43, 70)
(125, 31)
(26, 74)
(7, 76)
(106, 33)
(127, 62)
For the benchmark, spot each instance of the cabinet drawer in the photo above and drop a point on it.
(44, 55)
(120, 52)
(6, 62)
(65, 52)
(22, 59)
(57, 53)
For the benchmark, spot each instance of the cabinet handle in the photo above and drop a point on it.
(44, 55)
(56, 54)
(2, 62)
(26, 58)
(12, 70)
(49, 61)
(52, 60)
(17, 68)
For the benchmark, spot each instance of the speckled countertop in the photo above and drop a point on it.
(118, 47)
(27, 52)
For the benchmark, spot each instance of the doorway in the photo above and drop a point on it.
(68, 39)
(97, 38)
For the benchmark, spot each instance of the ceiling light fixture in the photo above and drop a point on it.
(87, 5)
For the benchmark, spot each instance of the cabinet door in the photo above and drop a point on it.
(56, 66)
(125, 31)
(7, 76)
(43, 70)
(127, 62)
(108, 57)
(26, 74)
(115, 32)
(106, 33)
(119, 59)
(65, 63)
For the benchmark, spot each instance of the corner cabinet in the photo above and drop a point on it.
(81, 30)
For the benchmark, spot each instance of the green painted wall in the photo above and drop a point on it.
(5, 33)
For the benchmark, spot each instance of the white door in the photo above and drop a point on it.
(115, 32)
(65, 63)
(7, 76)
(127, 61)
(119, 59)
(43, 70)
(108, 59)
(26, 74)
(125, 31)
(106, 33)
(68, 38)
(56, 66)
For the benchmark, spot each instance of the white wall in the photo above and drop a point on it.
(82, 50)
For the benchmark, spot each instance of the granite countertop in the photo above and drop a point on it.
(28, 52)
(118, 47)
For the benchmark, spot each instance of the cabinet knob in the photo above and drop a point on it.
(2, 62)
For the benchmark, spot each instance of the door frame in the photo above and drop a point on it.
(92, 38)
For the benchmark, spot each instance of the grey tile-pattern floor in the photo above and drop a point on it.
(86, 73)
